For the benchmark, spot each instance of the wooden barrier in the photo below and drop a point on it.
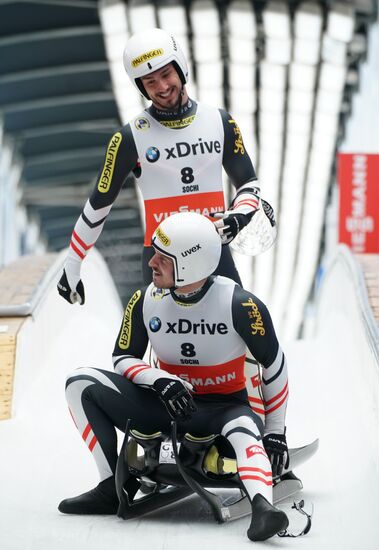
(18, 282)
(9, 328)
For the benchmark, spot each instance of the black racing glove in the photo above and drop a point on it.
(72, 296)
(176, 398)
(231, 224)
(277, 450)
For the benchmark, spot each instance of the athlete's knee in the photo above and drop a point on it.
(82, 385)
(73, 376)
(243, 423)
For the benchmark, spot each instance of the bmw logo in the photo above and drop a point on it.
(155, 324)
(152, 154)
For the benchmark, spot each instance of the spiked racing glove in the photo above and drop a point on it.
(239, 214)
(71, 294)
(277, 451)
(176, 398)
(231, 224)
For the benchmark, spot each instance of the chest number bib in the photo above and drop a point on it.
(187, 175)
(188, 350)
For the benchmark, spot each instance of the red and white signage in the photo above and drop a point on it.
(358, 179)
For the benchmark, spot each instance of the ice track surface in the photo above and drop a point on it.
(334, 381)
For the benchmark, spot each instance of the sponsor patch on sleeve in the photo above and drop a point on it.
(238, 142)
(126, 329)
(105, 180)
(256, 325)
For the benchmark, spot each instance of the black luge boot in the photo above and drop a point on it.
(100, 500)
(266, 520)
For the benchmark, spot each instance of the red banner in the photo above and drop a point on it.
(358, 180)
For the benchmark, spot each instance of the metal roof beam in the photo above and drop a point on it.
(52, 81)
(64, 3)
(40, 49)
(53, 111)
(80, 177)
(63, 137)
(71, 195)
(56, 164)
(93, 126)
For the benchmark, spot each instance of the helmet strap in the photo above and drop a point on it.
(141, 88)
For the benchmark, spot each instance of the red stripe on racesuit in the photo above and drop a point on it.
(277, 396)
(92, 443)
(87, 430)
(73, 419)
(82, 243)
(76, 249)
(249, 202)
(256, 478)
(268, 411)
(259, 402)
(258, 411)
(134, 374)
(256, 400)
(252, 469)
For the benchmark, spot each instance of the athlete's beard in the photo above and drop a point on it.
(175, 103)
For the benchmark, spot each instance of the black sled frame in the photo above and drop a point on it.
(198, 464)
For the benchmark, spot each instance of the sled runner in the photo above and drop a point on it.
(169, 468)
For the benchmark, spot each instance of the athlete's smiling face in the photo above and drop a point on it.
(163, 87)
(163, 270)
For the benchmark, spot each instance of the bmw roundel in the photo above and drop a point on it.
(155, 324)
(152, 154)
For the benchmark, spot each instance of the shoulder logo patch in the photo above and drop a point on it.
(141, 123)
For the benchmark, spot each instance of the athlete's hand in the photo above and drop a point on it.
(277, 450)
(230, 224)
(176, 398)
(71, 295)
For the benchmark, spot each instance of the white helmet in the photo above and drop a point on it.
(150, 50)
(192, 242)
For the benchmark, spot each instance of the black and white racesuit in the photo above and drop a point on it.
(203, 341)
(178, 163)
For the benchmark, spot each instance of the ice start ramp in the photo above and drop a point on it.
(334, 383)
